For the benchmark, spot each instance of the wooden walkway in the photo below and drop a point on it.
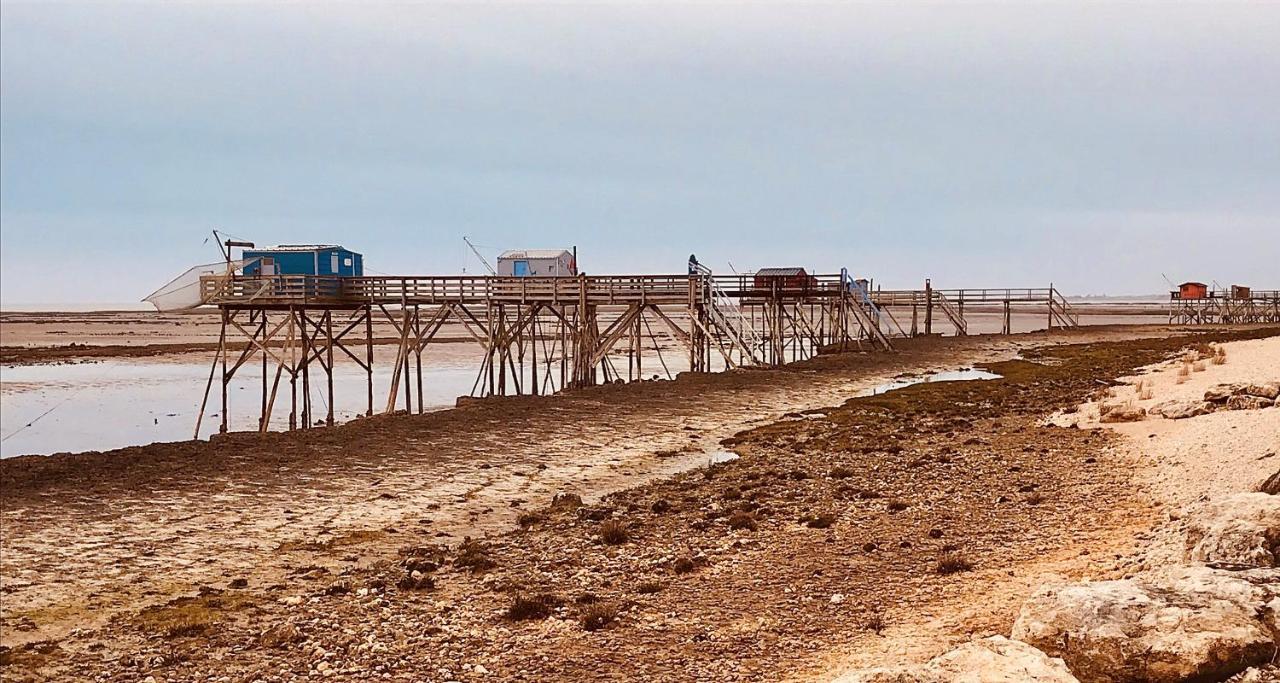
(541, 335)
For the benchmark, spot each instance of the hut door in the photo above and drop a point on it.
(520, 268)
(268, 265)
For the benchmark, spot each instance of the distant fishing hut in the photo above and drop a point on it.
(303, 259)
(788, 279)
(1193, 290)
(537, 263)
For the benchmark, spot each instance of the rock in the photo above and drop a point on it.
(1246, 402)
(990, 660)
(1269, 390)
(1122, 413)
(1181, 410)
(1189, 623)
(1222, 392)
(1264, 674)
(1240, 531)
(1271, 486)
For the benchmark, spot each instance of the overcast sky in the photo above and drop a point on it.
(1094, 146)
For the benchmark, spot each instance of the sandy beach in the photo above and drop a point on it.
(809, 555)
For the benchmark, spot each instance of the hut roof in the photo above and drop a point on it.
(300, 247)
(533, 253)
(780, 272)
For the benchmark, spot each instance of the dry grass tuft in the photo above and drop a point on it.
(1219, 356)
(743, 520)
(1198, 366)
(474, 555)
(648, 587)
(528, 607)
(874, 622)
(598, 616)
(841, 472)
(953, 563)
(822, 520)
(614, 532)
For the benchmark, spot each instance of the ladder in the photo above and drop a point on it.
(962, 327)
(863, 308)
(1061, 309)
(727, 316)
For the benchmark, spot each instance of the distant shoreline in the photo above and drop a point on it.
(116, 307)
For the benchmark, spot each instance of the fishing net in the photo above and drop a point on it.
(185, 291)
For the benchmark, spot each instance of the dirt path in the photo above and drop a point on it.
(90, 537)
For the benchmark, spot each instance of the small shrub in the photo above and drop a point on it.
(935, 533)
(840, 472)
(421, 582)
(743, 520)
(474, 555)
(598, 616)
(897, 505)
(189, 626)
(1035, 498)
(953, 563)
(683, 565)
(874, 622)
(648, 588)
(732, 493)
(822, 520)
(587, 598)
(660, 506)
(1220, 357)
(528, 519)
(528, 607)
(1197, 367)
(614, 532)
(566, 501)
(867, 494)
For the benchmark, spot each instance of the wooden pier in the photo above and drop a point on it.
(541, 335)
(1232, 306)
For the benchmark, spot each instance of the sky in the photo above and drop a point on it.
(1100, 147)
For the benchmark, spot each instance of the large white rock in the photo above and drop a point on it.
(1184, 624)
(1181, 410)
(1239, 531)
(990, 660)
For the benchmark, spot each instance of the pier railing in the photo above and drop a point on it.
(286, 290)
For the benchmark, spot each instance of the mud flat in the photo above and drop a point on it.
(50, 337)
(851, 530)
